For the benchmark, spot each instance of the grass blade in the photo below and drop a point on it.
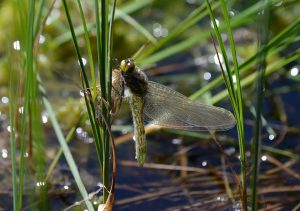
(263, 28)
(235, 97)
(64, 146)
(27, 96)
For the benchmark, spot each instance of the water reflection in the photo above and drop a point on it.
(4, 100)
(21, 110)
(84, 136)
(237, 206)
(40, 183)
(16, 45)
(294, 71)
(207, 76)
(217, 22)
(234, 78)
(271, 137)
(222, 198)
(177, 141)
(42, 39)
(44, 118)
(4, 153)
(159, 31)
(264, 158)
(83, 62)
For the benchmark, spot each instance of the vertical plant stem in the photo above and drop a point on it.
(28, 81)
(263, 26)
(90, 105)
(12, 133)
(234, 93)
(64, 147)
(104, 73)
(239, 113)
(88, 44)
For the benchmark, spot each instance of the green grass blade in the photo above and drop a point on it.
(90, 105)
(186, 44)
(76, 44)
(104, 82)
(59, 154)
(197, 15)
(12, 94)
(273, 47)
(235, 97)
(64, 147)
(263, 28)
(249, 80)
(109, 53)
(88, 45)
(38, 16)
(128, 8)
(139, 27)
(28, 86)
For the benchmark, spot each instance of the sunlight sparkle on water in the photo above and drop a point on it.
(176, 141)
(159, 31)
(294, 71)
(100, 185)
(44, 118)
(16, 45)
(222, 198)
(207, 76)
(234, 78)
(38, 184)
(83, 61)
(216, 58)
(217, 22)
(79, 130)
(4, 153)
(200, 61)
(271, 137)
(42, 39)
(4, 100)
(21, 110)
(264, 158)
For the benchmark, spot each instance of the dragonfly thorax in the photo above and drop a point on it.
(134, 79)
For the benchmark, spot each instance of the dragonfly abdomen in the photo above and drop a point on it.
(137, 104)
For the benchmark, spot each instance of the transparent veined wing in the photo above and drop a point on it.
(166, 107)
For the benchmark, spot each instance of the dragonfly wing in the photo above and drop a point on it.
(166, 107)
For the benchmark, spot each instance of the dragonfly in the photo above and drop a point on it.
(158, 104)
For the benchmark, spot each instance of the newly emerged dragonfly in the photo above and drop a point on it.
(158, 104)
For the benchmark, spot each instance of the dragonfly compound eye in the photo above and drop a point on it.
(127, 65)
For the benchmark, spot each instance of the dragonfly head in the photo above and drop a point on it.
(127, 65)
